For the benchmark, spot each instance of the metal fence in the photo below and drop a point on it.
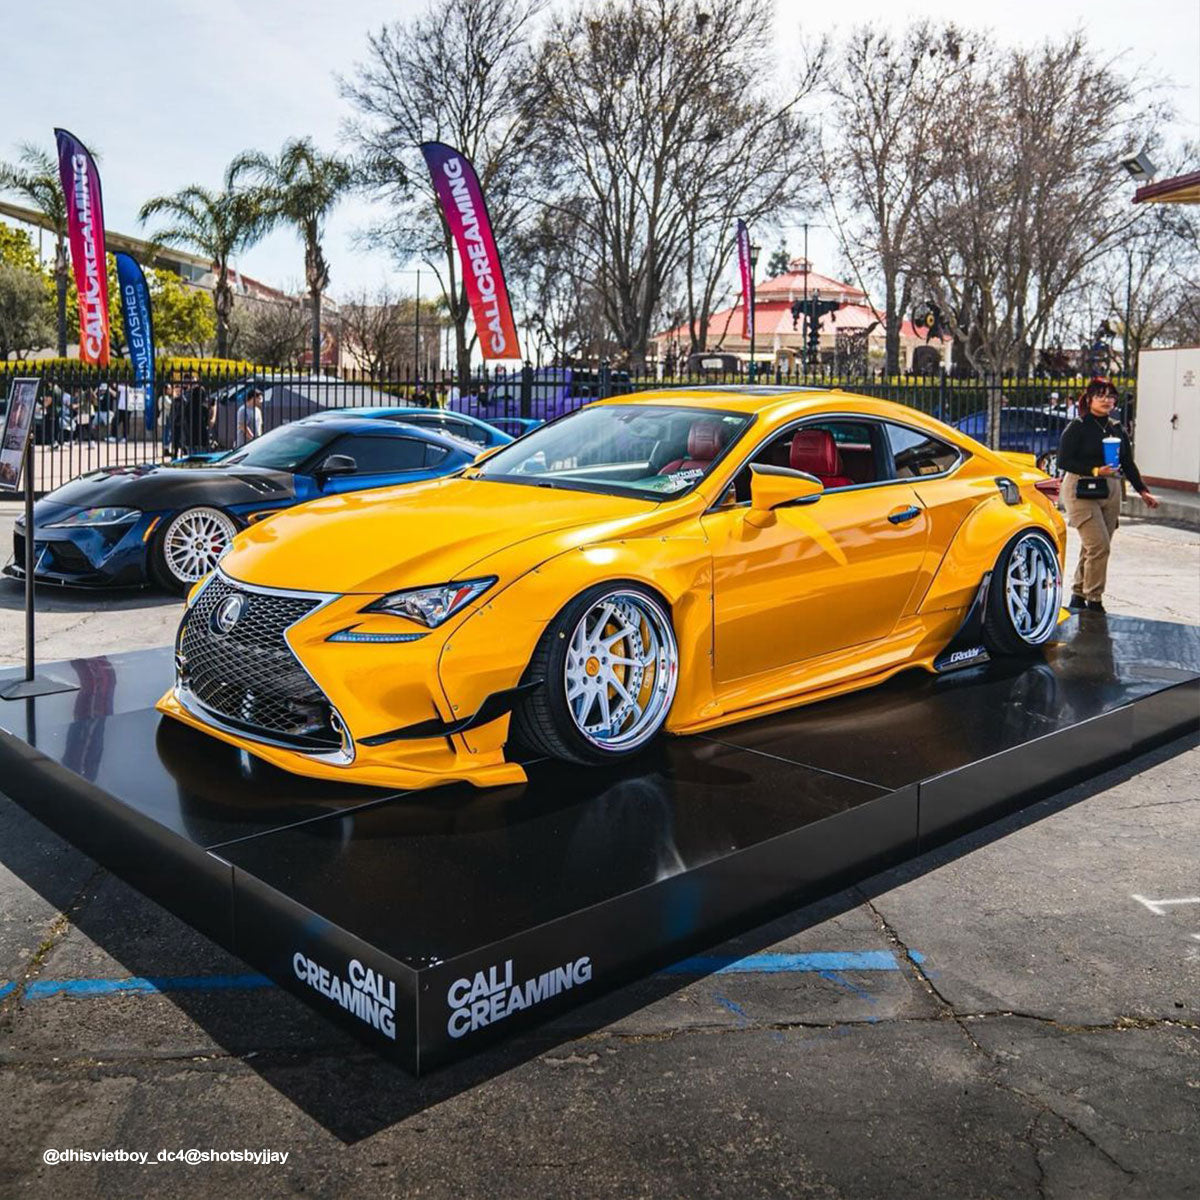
(90, 419)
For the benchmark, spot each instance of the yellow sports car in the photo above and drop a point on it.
(678, 560)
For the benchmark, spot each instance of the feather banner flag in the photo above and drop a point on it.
(139, 327)
(746, 270)
(466, 214)
(85, 231)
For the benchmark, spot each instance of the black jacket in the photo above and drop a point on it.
(1081, 448)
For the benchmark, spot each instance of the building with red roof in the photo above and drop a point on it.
(780, 339)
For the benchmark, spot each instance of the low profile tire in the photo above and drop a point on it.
(609, 665)
(1024, 596)
(187, 546)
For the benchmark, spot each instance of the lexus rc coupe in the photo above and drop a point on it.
(675, 561)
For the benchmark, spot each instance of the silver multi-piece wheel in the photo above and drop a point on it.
(1026, 592)
(607, 666)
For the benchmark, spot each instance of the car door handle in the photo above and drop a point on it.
(904, 514)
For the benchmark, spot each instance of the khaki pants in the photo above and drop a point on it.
(1096, 521)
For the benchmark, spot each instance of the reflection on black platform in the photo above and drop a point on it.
(437, 873)
(918, 725)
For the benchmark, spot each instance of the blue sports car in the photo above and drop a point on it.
(170, 524)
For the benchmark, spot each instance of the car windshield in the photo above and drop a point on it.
(655, 451)
(283, 449)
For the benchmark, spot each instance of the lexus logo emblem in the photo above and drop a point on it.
(228, 613)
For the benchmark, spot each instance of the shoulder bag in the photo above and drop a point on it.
(1091, 487)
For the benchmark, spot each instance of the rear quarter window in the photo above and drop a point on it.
(916, 454)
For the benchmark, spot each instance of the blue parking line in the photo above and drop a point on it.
(41, 988)
(821, 962)
(817, 961)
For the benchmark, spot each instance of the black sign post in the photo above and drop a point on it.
(16, 460)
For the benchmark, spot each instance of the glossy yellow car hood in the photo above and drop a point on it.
(416, 534)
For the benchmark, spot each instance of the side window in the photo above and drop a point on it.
(434, 454)
(468, 433)
(382, 455)
(915, 453)
(839, 453)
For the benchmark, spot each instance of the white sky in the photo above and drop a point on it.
(181, 87)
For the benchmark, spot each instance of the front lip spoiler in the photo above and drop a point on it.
(493, 707)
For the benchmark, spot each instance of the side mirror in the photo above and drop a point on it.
(774, 487)
(336, 464)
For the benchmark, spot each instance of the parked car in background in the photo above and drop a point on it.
(483, 434)
(553, 392)
(286, 399)
(1033, 431)
(170, 524)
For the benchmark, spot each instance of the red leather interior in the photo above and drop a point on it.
(815, 452)
(706, 439)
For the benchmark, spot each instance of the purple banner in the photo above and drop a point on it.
(85, 230)
(465, 212)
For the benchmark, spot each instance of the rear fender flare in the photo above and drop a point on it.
(975, 546)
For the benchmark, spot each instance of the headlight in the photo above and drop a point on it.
(96, 516)
(432, 605)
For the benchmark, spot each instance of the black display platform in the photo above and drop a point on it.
(431, 923)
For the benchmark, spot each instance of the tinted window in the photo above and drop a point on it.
(853, 460)
(657, 451)
(915, 453)
(282, 449)
(381, 455)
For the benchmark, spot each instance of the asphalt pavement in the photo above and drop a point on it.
(1015, 1014)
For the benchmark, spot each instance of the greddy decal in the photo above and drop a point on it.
(491, 995)
(363, 993)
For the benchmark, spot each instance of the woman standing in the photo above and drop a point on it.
(1091, 490)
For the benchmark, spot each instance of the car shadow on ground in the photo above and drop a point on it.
(52, 598)
(348, 1089)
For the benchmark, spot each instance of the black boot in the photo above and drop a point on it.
(1077, 603)
(1095, 606)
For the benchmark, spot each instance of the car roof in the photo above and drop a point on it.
(785, 404)
(378, 428)
(749, 398)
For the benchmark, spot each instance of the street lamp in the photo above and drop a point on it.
(755, 250)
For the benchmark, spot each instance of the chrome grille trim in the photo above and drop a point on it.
(250, 681)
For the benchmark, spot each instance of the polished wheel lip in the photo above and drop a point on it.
(589, 675)
(1033, 588)
(189, 548)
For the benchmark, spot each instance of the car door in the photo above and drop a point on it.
(930, 464)
(820, 577)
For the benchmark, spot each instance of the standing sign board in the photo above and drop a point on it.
(18, 420)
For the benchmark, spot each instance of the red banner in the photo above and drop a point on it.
(746, 271)
(85, 230)
(463, 207)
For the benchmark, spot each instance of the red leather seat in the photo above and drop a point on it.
(706, 439)
(815, 452)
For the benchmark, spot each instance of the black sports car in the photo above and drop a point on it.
(170, 524)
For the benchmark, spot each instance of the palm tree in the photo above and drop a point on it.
(301, 187)
(217, 225)
(36, 178)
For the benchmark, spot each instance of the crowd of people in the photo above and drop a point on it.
(116, 412)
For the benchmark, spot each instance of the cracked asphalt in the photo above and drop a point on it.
(1033, 1030)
